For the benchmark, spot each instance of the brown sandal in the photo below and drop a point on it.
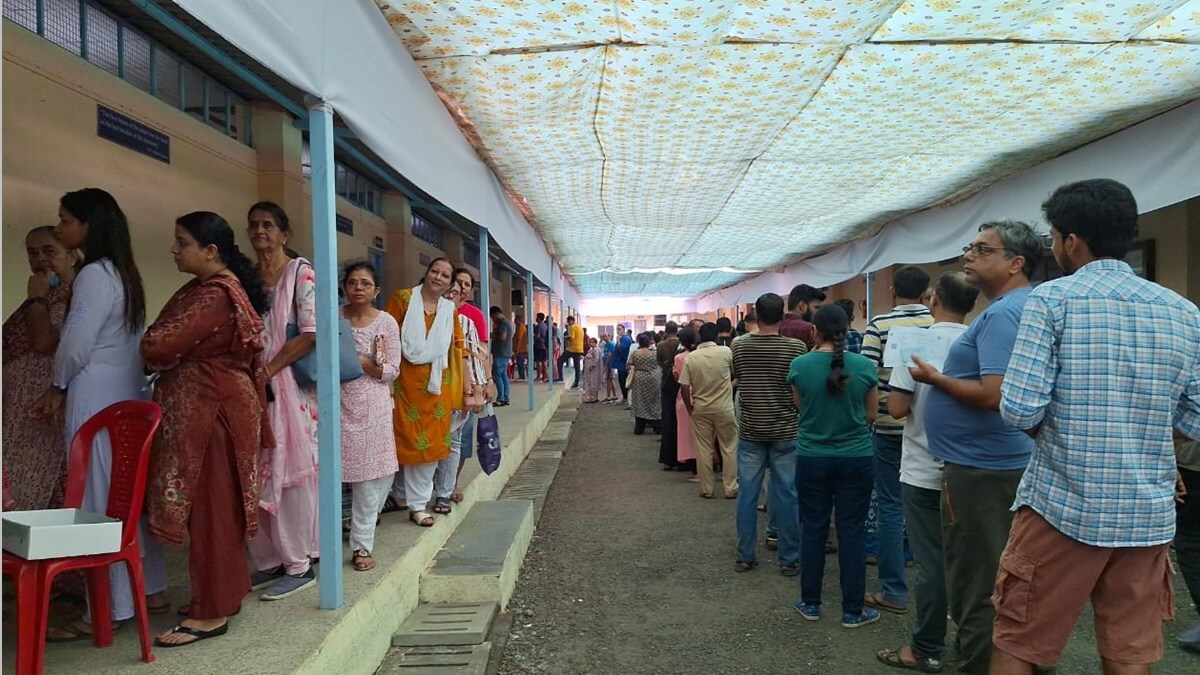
(362, 561)
(879, 602)
(421, 518)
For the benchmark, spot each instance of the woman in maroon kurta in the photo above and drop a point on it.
(204, 471)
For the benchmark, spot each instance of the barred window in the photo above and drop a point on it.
(86, 29)
(426, 231)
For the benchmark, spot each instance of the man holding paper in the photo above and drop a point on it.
(983, 457)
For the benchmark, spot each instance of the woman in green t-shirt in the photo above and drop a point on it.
(835, 393)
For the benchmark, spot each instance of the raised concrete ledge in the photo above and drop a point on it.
(481, 561)
(359, 641)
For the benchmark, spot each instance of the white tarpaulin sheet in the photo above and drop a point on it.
(346, 54)
(1158, 159)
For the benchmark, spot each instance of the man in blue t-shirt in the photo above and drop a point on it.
(983, 457)
(619, 361)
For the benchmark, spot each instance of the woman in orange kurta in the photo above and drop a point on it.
(430, 385)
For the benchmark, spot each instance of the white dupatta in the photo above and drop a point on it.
(433, 348)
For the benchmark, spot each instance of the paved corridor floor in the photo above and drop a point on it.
(631, 572)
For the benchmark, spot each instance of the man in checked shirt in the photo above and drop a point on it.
(1105, 375)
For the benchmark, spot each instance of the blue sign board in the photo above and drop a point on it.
(126, 131)
(344, 224)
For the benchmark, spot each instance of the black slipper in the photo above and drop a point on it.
(196, 633)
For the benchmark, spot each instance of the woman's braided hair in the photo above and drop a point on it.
(832, 323)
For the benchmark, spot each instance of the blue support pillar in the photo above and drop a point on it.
(329, 399)
(552, 362)
(485, 275)
(531, 368)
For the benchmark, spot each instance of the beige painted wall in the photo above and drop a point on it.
(50, 147)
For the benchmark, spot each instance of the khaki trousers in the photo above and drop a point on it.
(712, 429)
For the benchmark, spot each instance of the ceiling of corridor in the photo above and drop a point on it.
(721, 138)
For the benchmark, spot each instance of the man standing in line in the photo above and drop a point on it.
(983, 457)
(854, 339)
(1187, 534)
(797, 323)
(668, 450)
(502, 349)
(620, 361)
(724, 331)
(573, 337)
(909, 285)
(921, 485)
(767, 435)
(706, 387)
(1106, 376)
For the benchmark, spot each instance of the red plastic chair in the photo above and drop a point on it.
(131, 426)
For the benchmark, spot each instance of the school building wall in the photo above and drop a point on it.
(51, 146)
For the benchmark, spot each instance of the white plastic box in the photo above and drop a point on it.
(59, 533)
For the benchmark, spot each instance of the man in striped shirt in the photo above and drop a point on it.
(909, 285)
(1105, 375)
(767, 435)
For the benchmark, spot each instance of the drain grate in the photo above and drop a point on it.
(438, 660)
(448, 624)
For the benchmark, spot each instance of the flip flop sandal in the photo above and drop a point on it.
(923, 664)
(193, 632)
(362, 561)
(877, 601)
(421, 518)
(74, 634)
(442, 506)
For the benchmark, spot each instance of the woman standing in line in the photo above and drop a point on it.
(97, 364)
(287, 533)
(368, 445)
(431, 341)
(34, 461)
(203, 481)
(645, 394)
(836, 395)
(686, 444)
(446, 477)
(593, 372)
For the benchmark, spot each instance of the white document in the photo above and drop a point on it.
(904, 341)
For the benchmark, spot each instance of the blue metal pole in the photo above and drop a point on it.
(530, 368)
(329, 399)
(553, 363)
(485, 274)
(562, 325)
(870, 278)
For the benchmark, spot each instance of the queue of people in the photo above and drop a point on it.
(1046, 459)
(233, 471)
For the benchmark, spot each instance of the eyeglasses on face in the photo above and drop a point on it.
(360, 283)
(982, 249)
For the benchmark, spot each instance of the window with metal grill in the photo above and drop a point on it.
(86, 29)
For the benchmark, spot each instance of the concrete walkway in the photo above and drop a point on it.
(631, 572)
(293, 635)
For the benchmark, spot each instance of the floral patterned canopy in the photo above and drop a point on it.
(728, 137)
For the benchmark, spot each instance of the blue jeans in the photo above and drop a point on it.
(500, 375)
(468, 438)
(522, 365)
(753, 458)
(889, 509)
(838, 486)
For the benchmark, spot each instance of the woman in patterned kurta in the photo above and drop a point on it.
(35, 462)
(645, 395)
(203, 480)
(368, 446)
(431, 341)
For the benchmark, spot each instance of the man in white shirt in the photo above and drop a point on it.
(921, 486)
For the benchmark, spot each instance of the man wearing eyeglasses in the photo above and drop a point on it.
(983, 457)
